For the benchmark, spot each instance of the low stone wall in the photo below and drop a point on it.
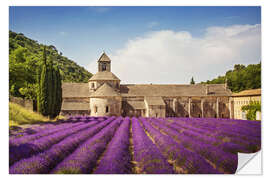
(28, 104)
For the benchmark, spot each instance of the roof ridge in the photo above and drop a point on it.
(104, 57)
(105, 90)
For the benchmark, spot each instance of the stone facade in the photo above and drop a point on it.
(244, 98)
(107, 97)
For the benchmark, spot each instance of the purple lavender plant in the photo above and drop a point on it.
(46, 161)
(84, 159)
(116, 159)
(147, 157)
(36, 146)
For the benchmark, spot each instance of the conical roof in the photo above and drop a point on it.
(104, 58)
(104, 90)
(104, 75)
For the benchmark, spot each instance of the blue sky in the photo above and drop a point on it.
(82, 33)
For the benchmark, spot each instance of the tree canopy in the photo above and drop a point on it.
(25, 60)
(192, 81)
(240, 78)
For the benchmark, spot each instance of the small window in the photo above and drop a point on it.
(93, 85)
(199, 115)
(95, 109)
(103, 67)
(107, 109)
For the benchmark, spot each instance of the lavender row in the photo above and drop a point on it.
(148, 158)
(44, 162)
(117, 159)
(48, 131)
(221, 137)
(240, 127)
(184, 160)
(227, 162)
(84, 158)
(39, 145)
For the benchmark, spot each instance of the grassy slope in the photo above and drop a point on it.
(18, 115)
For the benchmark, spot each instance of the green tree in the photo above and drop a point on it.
(26, 58)
(49, 97)
(251, 109)
(192, 81)
(240, 78)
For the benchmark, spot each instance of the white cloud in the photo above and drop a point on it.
(174, 57)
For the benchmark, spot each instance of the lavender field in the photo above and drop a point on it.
(117, 145)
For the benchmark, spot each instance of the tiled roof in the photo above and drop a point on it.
(250, 92)
(104, 57)
(173, 90)
(104, 90)
(135, 104)
(75, 90)
(75, 106)
(154, 101)
(104, 75)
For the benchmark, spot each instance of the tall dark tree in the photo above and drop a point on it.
(192, 81)
(49, 95)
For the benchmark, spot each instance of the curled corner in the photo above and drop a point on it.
(249, 163)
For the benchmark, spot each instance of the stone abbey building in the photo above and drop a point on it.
(104, 95)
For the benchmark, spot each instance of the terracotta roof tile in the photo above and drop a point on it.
(250, 92)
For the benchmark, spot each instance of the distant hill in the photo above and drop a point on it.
(240, 78)
(25, 56)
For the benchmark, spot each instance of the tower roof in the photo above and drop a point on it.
(104, 58)
(103, 75)
(104, 90)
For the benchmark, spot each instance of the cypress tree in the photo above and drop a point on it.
(59, 90)
(192, 81)
(50, 85)
(40, 107)
(50, 89)
(43, 99)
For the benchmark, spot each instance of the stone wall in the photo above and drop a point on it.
(242, 101)
(109, 106)
(94, 85)
(28, 104)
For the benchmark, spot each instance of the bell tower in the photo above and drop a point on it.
(104, 63)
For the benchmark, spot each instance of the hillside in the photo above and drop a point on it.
(240, 78)
(19, 115)
(25, 56)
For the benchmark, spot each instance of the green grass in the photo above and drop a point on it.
(18, 115)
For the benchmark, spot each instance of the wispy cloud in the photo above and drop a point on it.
(152, 24)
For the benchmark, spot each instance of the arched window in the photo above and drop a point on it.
(93, 85)
(95, 109)
(107, 109)
(103, 67)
